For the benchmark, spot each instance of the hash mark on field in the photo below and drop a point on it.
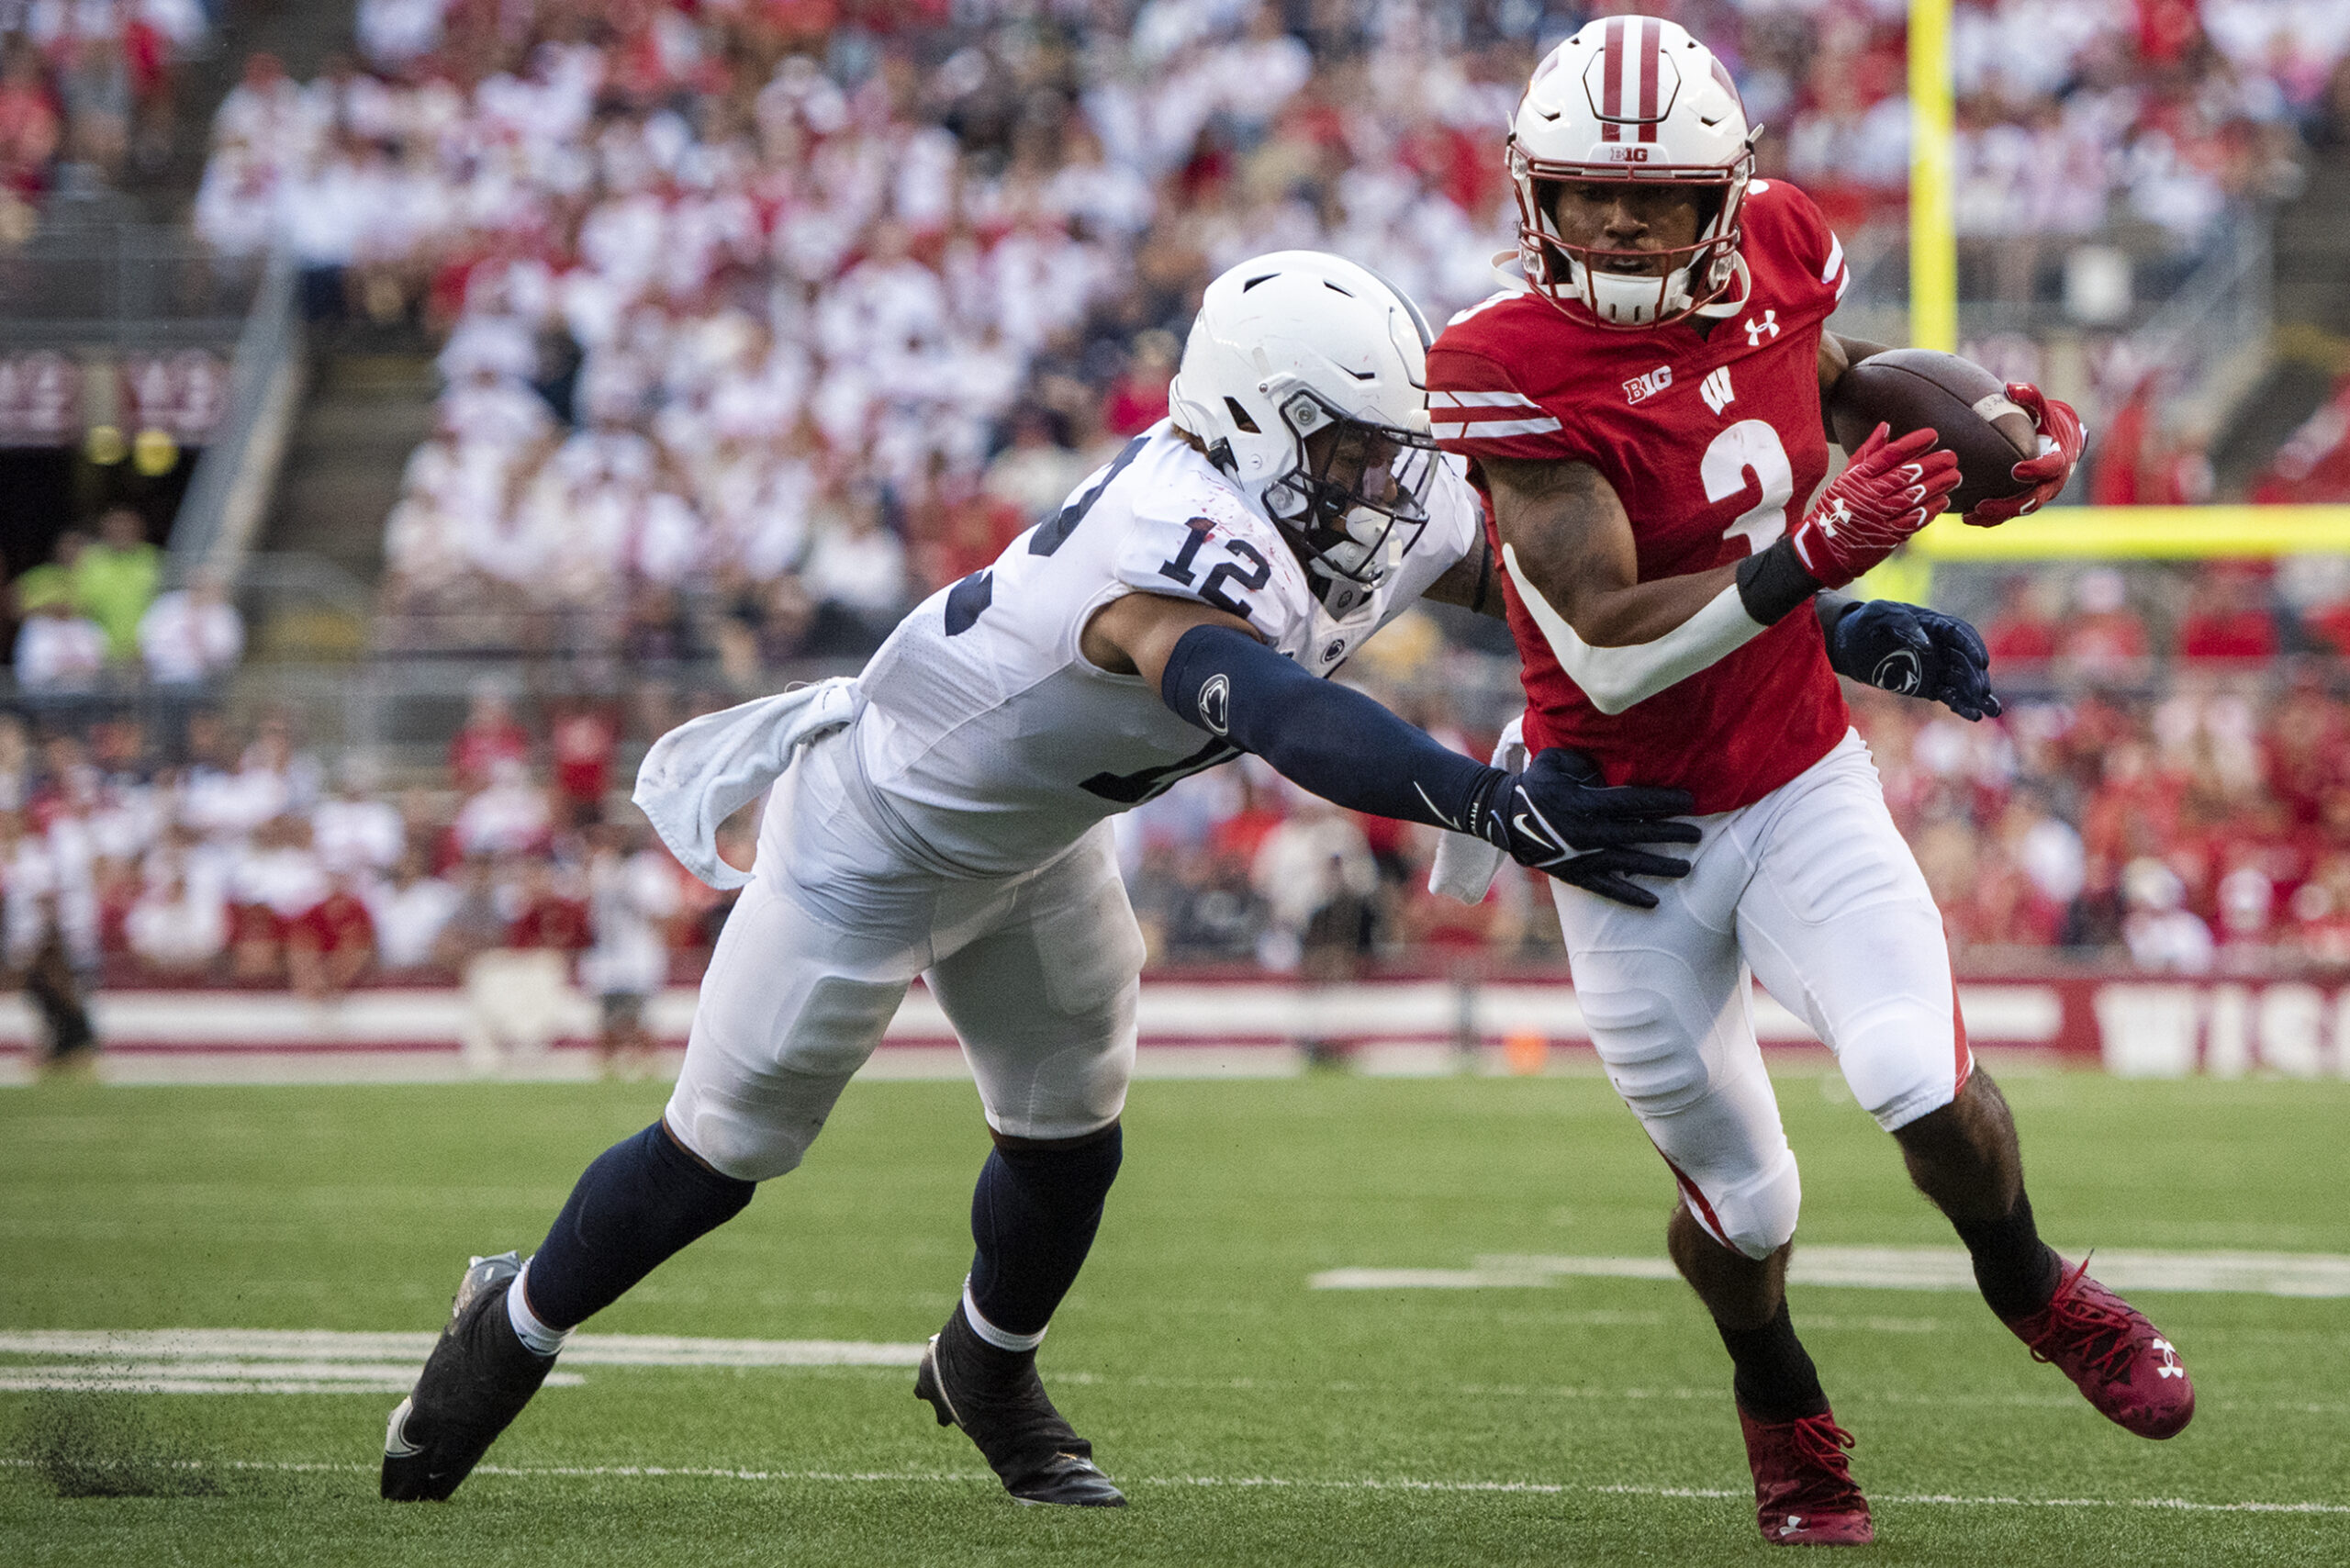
(1249, 1483)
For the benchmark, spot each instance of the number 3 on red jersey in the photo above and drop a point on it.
(1751, 445)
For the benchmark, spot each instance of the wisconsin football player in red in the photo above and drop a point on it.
(1643, 419)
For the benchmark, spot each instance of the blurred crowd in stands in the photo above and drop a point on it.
(764, 321)
(218, 856)
(2194, 826)
(2073, 114)
(87, 86)
(97, 616)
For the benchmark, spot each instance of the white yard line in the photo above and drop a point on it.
(160, 1380)
(2302, 1274)
(1254, 1483)
(262, 1361)
(283, 1345)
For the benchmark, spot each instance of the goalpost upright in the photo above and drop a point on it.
(2068, 532)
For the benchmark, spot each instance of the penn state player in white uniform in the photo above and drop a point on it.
(1181, 609)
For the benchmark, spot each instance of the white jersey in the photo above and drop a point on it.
(995, 744)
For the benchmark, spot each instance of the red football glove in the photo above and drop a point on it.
(2060, 448)
(1890, 491)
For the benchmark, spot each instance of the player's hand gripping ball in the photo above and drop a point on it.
(1557, 817)
(2059, 429)
(1890, 491)
(1916, 652)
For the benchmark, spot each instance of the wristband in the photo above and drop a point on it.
(1770, 585)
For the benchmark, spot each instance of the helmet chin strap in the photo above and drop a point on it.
(1718, 308)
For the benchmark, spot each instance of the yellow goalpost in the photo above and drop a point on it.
(2064, 533)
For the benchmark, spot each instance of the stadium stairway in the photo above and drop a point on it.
(321, 549)
(2311, 346)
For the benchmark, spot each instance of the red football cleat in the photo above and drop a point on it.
(2121, 1362)
(1804, 1494)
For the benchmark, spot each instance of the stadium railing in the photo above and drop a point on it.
(228, 493)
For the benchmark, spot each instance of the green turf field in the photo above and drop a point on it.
(1251, 1419)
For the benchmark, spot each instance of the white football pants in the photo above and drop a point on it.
(1812, 890)
(1038, 972)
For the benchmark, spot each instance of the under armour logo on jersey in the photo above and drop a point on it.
(1757, 331)
(2170, 1367)
(1643, 388)
(1715, 390)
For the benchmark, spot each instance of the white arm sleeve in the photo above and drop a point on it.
(1615, 679)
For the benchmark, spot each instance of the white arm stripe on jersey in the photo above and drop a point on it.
(1481, 400)
(1615, 679)
(1491, 429)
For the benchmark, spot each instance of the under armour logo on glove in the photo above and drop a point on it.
(1890, 491)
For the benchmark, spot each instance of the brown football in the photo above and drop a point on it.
(1964, 404)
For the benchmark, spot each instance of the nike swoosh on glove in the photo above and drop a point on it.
(1916, 652)
(1890, 491)
(2061, 438)
(1557, 817)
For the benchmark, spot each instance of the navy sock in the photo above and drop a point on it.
(1033, 1215)
(642, 1200)
(1775, 1380)
(2016, 1271)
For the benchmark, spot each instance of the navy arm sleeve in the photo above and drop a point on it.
(1322, 736)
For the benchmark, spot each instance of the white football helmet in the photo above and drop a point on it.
(1289, 346)
(1633, 99)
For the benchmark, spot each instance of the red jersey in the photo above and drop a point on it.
(1711, 440)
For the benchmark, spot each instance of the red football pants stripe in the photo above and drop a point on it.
(1702, 1211)
(1963, 1055)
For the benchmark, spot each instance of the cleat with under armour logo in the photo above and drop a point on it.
(1804, 1494)
(476, 1381)
(2121, 1362)
(997, 1400)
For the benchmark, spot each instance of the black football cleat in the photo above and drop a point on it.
(997, 1400)
(476, 1381)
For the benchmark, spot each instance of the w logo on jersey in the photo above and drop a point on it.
(1715, 390)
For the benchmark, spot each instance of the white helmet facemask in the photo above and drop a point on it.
(1356, 496)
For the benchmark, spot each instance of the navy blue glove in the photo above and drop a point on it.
(1557, 806)
(1916, 652)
